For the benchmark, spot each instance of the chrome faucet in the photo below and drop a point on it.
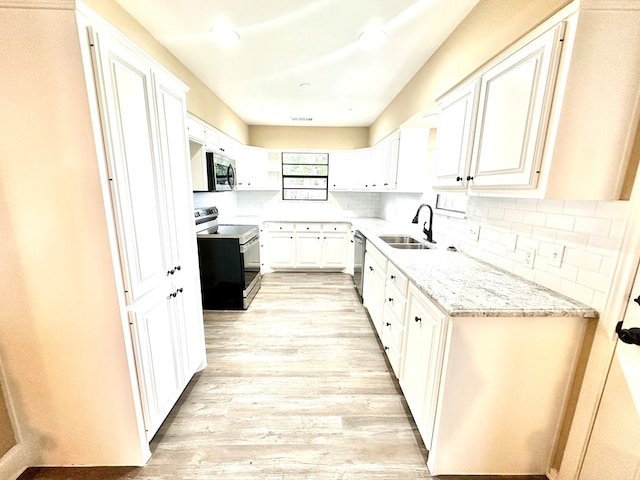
(427, 231)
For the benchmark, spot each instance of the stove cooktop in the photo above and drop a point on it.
(243, 233)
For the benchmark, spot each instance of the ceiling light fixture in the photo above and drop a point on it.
(225, 36)
(372, 37)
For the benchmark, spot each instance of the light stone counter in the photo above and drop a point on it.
(465, 287)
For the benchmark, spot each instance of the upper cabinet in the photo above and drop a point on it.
(543, 120)
(454, 140)
(515, 100)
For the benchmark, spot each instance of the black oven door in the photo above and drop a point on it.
(250, 252)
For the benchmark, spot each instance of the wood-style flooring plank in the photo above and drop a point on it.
(296, 387)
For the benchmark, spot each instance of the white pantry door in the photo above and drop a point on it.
(613, 452)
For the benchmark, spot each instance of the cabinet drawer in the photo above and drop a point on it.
(278, 227)
(395, 276)
(393, 328)
(379, 258)
(390, 348)
(395, 301)
(336, 227)
(308, 227)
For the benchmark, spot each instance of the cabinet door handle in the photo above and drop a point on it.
(393, 277)
(390, 299)
(459, 179)
(417, 319)
(469, 178)
(388, 324)
(370, 268)
(386, 348)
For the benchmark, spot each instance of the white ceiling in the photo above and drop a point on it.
(285, 43)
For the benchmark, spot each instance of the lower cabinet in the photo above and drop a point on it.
(306, 246)
(373, 287)
(425, 329)
(488, 393)
(158, 340)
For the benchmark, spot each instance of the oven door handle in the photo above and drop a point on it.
(249, 244)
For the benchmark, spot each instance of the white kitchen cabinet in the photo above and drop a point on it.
(138, 191)
(373, 289)
(342, 170)
(309, 249)
(144, 117)
(254, 171)
(393, 317)
(413, 160)
(515, 101)
(423, 346)
(281, 250)
(547, 116)
(307, 246)
(454, 141)
(334, 250)
(157, 341)
(195, 129)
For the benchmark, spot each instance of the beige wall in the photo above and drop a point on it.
(488, 29)
(308, 137)
(201, 101)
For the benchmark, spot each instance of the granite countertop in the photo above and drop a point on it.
(465, 287)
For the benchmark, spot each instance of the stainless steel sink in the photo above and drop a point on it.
(405, 239)
(405, 242)
(410, 246)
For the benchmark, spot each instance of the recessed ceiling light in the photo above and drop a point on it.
(373, 37)
(225, 36)
(305, 86)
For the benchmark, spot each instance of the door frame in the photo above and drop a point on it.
(605, 338)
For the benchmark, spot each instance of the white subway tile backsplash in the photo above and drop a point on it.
(596, 281)
(590, 232)
(515, 216)
(529, 204)
(560, 221)
(580, 208)
(613, 210)
(593, 226)
(544, 233)
(551, 206)
(576, 240)
(535, 218)
(582, 259)
(578, 292)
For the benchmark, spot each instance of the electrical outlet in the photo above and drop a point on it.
(557, 252)
(474, 231)
(529, 257)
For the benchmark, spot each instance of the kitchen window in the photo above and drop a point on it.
(305, 176)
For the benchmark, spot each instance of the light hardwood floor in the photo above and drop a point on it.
(297, 387)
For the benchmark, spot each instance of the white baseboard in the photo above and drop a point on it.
(13, 463)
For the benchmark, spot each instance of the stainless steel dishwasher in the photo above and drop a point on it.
(359, 242)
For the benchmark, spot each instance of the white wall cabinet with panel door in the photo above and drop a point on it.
(342, 170)
(413, 160)
(144, 117)
(513, 112)
(539, 129)
(454, 141)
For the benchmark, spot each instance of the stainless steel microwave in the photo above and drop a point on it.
(221, 172)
